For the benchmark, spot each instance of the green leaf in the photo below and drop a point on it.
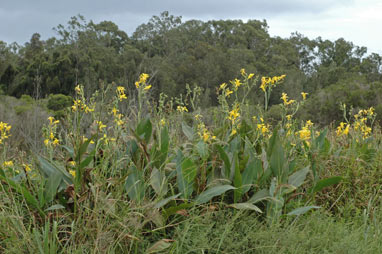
(159, 246)
(298, 178)
(326, 183)
(52, 184)
(158, 182)
(251, 174)
(163, 202)
(237, 181)
(47, 169)
(186, 173)
(145, 129)
(188, 131)
(164, 144)
(302, 210)
(88, 159)
(277, 159)
(259, 196)
(135, 185)
(246, 206)
(83, 149)
(54, 207)
(202, 149)
(173, 209)
(207, 195)
(224, 157)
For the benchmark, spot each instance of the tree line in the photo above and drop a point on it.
(198, 53)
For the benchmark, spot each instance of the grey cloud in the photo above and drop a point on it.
(20, 19)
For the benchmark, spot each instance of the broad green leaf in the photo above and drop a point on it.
(158, 182)
(259, 196)
(47, 169)
(202, 149)
(246, 206)
(224, 157)
(277, 159)
(144, 129)
(54, 207)
(237, 180)
(173, 209)
(159, 246)
(302, 210)
(251, 174)
(51, 186)
(134, 185)
(84, 163)
(298, 178)
(164, 144)
(188, 131)
(207, 195)
(186, 173)
(163, 202)
(326, 183)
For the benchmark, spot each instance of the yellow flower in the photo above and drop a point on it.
(27, 168)
(182, 109)
(8, 164)
(228, 92)
(56, 142)
(288, 117)
(137, 84)
(72, 172)
(72, 163)
(284, 97)
(143, 77)
(304, 95)
(46, 142)
(242, 71)
(251, 75)
(147, 87)
(121, 93)
(162, 122)
(114, 111)
(101, 125)
(234, 131)
(237, 83)
(234, 114)
(222, 86)
(78, 89)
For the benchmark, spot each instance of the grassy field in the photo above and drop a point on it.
(116, 175)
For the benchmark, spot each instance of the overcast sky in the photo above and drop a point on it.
(358, 21)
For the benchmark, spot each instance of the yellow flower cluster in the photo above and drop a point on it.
(304, 134)
(226, 91)
(121, 93)
(4, 131)
(284, 97)
(343, 129)
(79, 105)
(269, 82)
(204, 133)
(361, 121)
(101, 126)
(142, 82)
(182, 109)
(117, 117)
(234, 114)
(50, 139)
(244, 74)
(262, 127)
(8, 164)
